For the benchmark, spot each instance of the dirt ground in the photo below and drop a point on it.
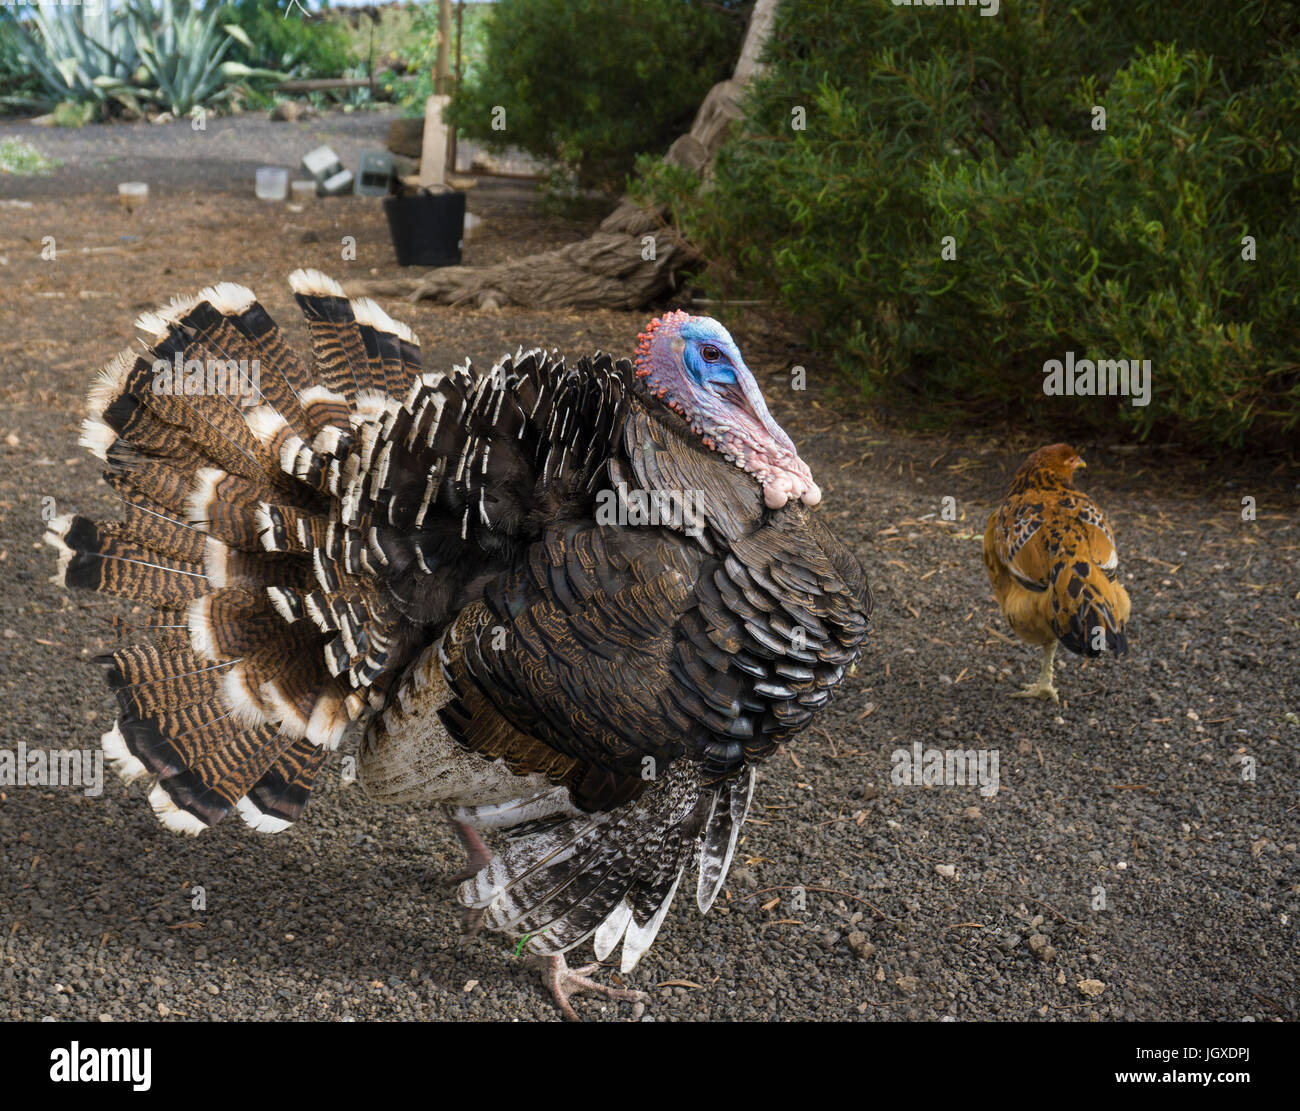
(1127, 844)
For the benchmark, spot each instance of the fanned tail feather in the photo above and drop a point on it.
(229, 479)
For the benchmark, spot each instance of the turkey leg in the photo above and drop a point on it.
(477, 854)
(565, 981)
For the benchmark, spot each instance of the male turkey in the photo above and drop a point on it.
(578, 604)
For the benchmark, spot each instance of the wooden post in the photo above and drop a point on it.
(433, 153)
(451, 131)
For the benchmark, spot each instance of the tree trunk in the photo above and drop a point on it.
(443, 72)
(630, 260)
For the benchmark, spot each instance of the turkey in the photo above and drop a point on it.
(575, 606)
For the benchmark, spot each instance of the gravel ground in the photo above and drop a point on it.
(222, 158)
(917, 902)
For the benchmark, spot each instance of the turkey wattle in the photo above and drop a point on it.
(576, 604)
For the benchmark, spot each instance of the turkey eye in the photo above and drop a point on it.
(711, 354)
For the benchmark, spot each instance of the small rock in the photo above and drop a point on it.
(638, 1009)
(1091, 988)
(948, 871)
(290, 111)
(1041, 947)
(212, 989)
(907, 984)
(972, 812)
(860, 945)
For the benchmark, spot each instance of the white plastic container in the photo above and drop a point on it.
(322, 163)
(131, 193)
(272, 183)
(337, 185)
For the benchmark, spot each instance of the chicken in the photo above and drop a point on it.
(1052, 563)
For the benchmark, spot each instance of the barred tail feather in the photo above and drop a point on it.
(609, 877)
(229, 455)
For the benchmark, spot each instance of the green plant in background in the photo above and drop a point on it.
(114, 57)
(1118, 243)
(592, 83)
(422, 57)
(84, 54)
(279, 39)
(181, 52)
(18, 84)
(19, 157)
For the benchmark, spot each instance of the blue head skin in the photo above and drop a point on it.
(692, 365)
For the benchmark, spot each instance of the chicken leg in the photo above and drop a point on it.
(1043, 687)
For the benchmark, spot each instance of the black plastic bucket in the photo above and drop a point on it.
(427, 228)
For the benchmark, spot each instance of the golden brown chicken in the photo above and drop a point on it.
(1052, 561)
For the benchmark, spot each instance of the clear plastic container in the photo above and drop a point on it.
(132, 192)
(303, 190)
(272, 183)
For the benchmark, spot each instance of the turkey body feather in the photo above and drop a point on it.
(447, 562)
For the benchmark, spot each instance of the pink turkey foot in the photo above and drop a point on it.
(478, 855)
(565, 981)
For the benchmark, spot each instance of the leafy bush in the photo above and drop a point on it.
(295, 46)
(20, 158)
(1118, 243)
(592, 83)
(421, 60)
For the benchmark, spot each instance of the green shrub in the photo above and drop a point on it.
(422, 59)
(284, 41)
(592, 83)
(19, 86)
(22, 159)
(1123, 243)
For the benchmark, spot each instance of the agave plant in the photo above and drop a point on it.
(84, 53)
(181, 52)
